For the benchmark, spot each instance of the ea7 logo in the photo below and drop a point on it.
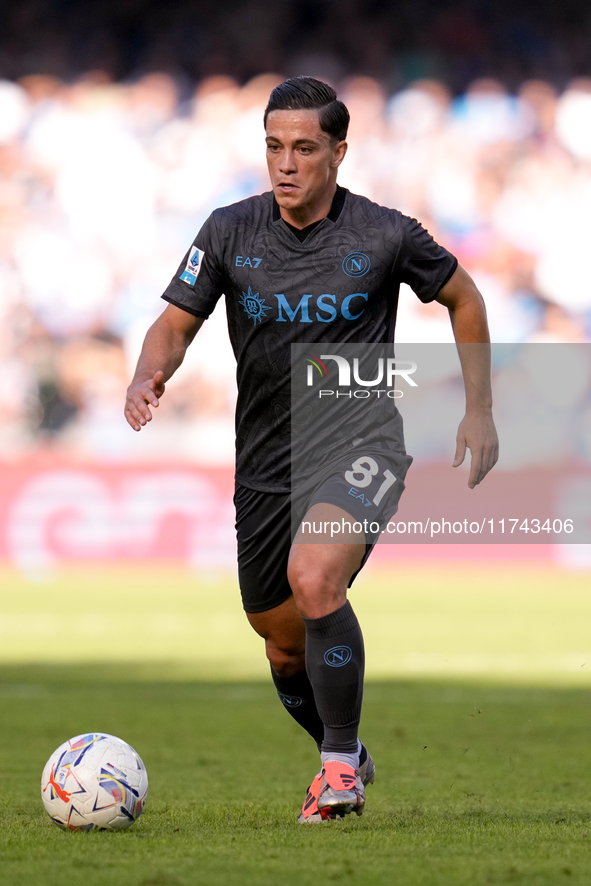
(243, 261)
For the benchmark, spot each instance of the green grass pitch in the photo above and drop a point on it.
(477, 712)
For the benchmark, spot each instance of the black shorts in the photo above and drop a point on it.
(367, 484)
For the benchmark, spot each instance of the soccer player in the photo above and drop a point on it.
(310, 262)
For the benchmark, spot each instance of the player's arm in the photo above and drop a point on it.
(477, 430)
(162, 353)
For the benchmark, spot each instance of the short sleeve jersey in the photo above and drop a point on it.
(340, 284)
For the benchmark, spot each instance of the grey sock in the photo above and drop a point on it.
(349, 759)
(335, 663)
(297, 697)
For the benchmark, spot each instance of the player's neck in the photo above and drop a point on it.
(302, 216)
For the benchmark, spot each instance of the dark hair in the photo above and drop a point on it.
(308, 94)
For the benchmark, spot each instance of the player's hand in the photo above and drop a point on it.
(141, 395)
(477, 433)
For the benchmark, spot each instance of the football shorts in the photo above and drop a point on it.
(365, 483)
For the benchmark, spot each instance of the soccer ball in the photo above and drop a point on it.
(94, 782)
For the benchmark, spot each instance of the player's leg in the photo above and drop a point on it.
(263, 524)
(284, 634)
(283, 631)
(263, 527)
(319, 575)
(341, 524)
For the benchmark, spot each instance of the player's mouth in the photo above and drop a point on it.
(286, 187)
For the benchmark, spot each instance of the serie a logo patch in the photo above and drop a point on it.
(193, 265)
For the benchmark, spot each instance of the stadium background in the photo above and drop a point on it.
(121, 128)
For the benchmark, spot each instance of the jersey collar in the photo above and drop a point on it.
(338, 201)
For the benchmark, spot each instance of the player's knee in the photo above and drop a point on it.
(286, 660)
(311, 584)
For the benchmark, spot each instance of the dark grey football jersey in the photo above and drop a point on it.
(340, 285)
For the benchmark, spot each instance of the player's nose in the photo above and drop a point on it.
(287, 162)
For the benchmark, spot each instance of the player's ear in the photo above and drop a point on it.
(340, 149)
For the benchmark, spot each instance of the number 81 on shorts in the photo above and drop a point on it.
(363, 470)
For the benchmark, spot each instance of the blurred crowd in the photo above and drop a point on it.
(454, 42)
(103, 186)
